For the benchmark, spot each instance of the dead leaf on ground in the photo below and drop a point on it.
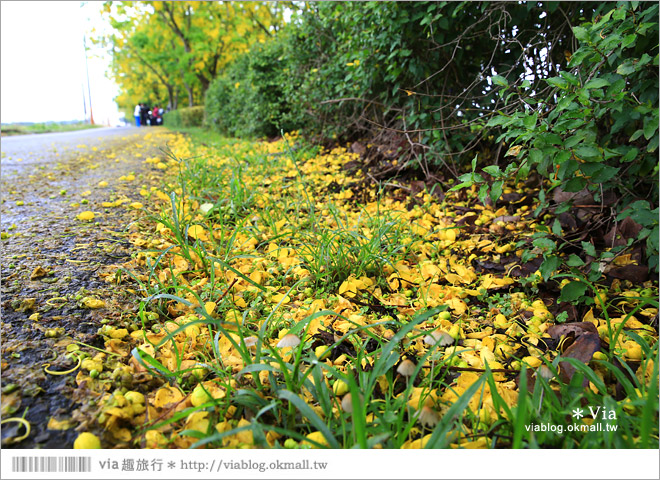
(587, 342)
(37, 273)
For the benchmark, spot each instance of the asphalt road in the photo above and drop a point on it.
(28, 150)
(47, 180)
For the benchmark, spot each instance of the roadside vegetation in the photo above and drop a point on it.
(388, 225)
(47, 127)
(286, 303)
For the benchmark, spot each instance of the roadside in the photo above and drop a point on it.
(12, 129)
(52, 295)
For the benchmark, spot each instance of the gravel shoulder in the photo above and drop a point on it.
(51, 262)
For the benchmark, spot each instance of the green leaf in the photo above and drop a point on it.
(596, 83)
(493, 170)
(572, 291)
(574, 261)
(629, 40)
(496, 190)
(575, 184)
(604, 174)
(558, 82)
(589, 249)
(653, 240)
(581, 34)
(556, 228)
(460, 186)
(625, 69)
(630, 155)
(636, 135)
(483, 192)
(587, 151)
(530, 121)
(535, 155)
(498, 80)
(544, 244)
(548, 267)
(650, 127)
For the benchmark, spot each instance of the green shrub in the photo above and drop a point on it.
(249, 99)
(418, 71)
(594, 130)
(184, 117)
(172, 119)
(192, 116)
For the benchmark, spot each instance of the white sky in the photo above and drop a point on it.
(42, 63)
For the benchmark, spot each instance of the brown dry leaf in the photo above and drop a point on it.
(577, 328)
(117, 346)
(37, 273)
(635, 273)
(587, 343)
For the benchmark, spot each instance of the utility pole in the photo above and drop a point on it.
(89, 91)
(84, 102)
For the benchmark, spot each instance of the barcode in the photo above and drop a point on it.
(51, 464)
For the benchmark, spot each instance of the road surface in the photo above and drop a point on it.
(23, 150)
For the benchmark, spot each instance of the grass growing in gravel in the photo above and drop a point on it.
(46, 127)
(285, 304)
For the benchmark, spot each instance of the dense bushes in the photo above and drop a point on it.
(564, 93)
(249, 99)
(593, 138)
(184, 117)
(355, 69)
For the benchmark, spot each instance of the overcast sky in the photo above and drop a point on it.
(43, 63)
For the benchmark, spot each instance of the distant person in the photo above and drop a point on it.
(136, 113)
(143, 114)
(156, 118)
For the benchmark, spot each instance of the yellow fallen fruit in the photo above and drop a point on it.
(134, 397)
(86, 216)
(322, 351)
(118, 333)
(633, 351)
(206, 393)
(87, 440)
(317, 437)
(532, 362)
(340, 388)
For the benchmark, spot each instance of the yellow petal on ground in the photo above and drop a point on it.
(85, 216)
(166, 396)
(155, 439)
(65, 424)
(280, 297)
(90, 302)
(198, 421)
(246, 435)
(198, 232)
(136, 205)
(317, 437)
(103, 183)
(210, 307)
